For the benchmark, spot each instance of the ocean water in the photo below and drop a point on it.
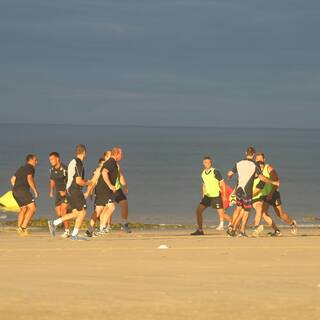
(163, 165)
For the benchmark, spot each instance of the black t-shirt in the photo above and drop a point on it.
(60, 177)
(113, 172)
(22, 177)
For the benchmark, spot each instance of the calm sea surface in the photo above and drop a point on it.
(163, 165)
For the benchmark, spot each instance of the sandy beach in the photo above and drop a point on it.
(124, 276)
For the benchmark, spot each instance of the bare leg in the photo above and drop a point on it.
(199, 214)
(31, 209)
(61, 211)
(80, 217)
(245, 217)
(124, 206)
(283, 215)
(235, 216)
(238, 219)
(258, 206)
(108, 211)
(223, 216)
(22, 214)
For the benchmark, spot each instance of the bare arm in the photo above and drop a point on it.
(52, 187)
(123, 182)
(13, 180)
(81, 182)
(266, 180)
(274, 177)
(32, 185)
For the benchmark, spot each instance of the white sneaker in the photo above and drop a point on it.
(66, 234)
(220, 227)
(257, 231)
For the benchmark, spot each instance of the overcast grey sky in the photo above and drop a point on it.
(165, 62)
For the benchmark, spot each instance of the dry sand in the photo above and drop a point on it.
(126, 277)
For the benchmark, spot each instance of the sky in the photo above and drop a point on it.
(237, 63)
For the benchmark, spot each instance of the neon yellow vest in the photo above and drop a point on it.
(118, 184)
(267, 187)
(211, 184)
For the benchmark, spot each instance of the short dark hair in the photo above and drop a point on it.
(251, 151)
(30, 156)
(261, 154)
(80, 149)
(207, 158)
(55, 154)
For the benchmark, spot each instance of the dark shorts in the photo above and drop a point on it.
(76, 200)
(23, 197)
(119, 196)
(276, 200)
(215, 202)
(59, 200)
(102, 200)
(243, 200)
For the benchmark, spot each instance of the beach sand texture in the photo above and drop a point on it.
(125, 276)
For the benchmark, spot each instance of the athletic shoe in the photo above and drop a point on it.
(276, 233)
(257, 231)
(197, 233)
(66, 234)
(294, 227)
(104, 231)
(52, 228)
(242, 235)
(220, 228)
(89, 234)
(230, 231)
(125, 227)
(77, 238)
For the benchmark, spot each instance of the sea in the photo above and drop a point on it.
(163, 164)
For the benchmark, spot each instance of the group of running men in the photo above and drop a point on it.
(257, 187)
(66, 185)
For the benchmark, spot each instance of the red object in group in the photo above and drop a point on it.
(226, 200)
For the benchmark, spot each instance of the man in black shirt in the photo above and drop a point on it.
(106, 187)
(21, 182)
(58, 184)
(76, 199)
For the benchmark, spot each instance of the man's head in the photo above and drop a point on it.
(117, 154)
(32, 159)
(107, 155)
(81, 151)
(207, 162)
(260, 159)
(250, 153)
(54, 159)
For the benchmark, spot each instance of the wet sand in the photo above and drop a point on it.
(125, 276)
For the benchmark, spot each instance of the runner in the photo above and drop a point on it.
(106, 188)
(247, 171)
(21, 183)
(58, 184)
(272, 198)
(76, 198)
(214, 191)
(96, 213)
(121, 199)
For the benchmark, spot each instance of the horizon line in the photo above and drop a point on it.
(157, 126)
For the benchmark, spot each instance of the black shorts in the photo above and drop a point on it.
(119, 196)
(215, 202)
(244, 200)
(59, 200)
(102, 200)
(276, 200)
(76, 200)
(23, 197)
